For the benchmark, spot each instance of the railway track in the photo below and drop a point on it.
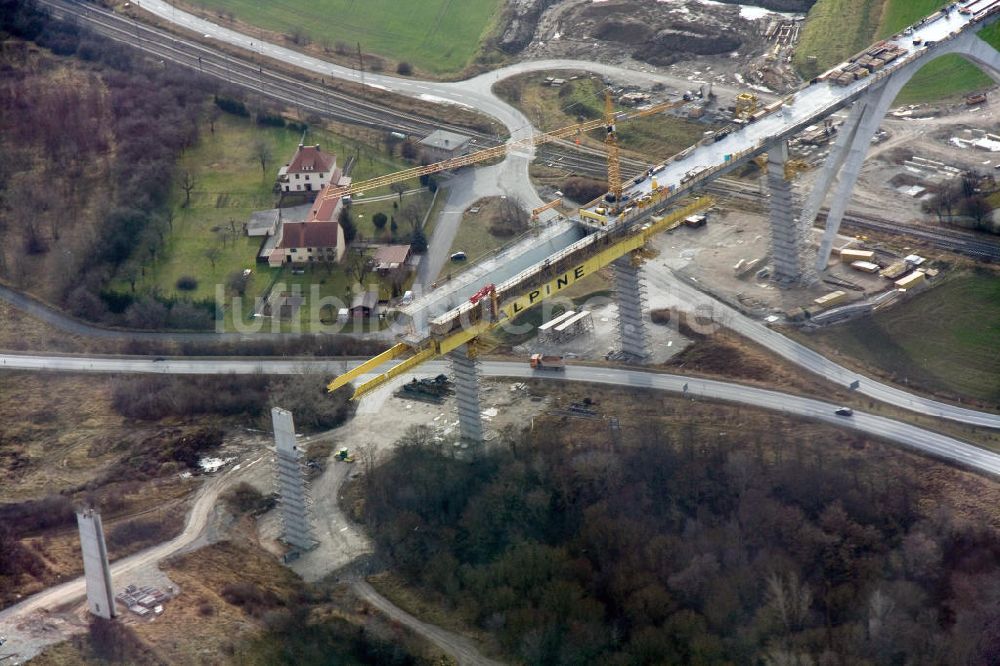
(308, 96)
(259, 79)
(960, 242)
(248, 74)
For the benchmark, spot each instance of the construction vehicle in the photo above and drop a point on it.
(344, 456)
(434, 390)
(746, 105)
(543, 362)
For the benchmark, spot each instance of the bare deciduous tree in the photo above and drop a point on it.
(398, 188)
(359, 268)
(413, 214)
(187, 183)
(262, 154)
(213, 254)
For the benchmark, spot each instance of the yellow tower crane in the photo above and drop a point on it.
(332, 191)
(611, 141)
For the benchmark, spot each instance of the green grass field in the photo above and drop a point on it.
(837, 29)
(437, 36)
(229, 186)
(946, 340)
(653, 138)
(945, 77)
(473, 238)
(834, 30)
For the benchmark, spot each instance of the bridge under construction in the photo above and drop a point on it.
(617, 226)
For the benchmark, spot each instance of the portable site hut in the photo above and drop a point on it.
(848, 256)
(865, 266)
(911, 280)
(831, 299)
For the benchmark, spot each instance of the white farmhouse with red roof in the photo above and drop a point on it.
(309, 171)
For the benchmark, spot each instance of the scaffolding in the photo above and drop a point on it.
(470, 417)
(293, 489)
(630, 295)
(788, 236)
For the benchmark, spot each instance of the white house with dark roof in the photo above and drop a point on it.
(309, 170)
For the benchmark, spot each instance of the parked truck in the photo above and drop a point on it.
(542, 362)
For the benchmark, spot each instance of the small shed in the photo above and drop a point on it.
(910, 281)
(364, 304)
(831, 299)
(442, 145)
(848, 256)
(263, 223)
(865, 266)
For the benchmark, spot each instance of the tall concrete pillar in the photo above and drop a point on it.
(470, 417)
(293, 495)
(96, 570)
(787, 235)
(630, 296)
(848, 156)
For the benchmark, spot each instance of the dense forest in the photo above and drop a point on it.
(89, 135)
(667, 546)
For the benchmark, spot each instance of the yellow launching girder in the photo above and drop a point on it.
(394, 371)
(541, 209)
(604, 250)
(390, 354)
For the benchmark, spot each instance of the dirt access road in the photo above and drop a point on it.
(22, 624)
(32, 625)
(457, 647)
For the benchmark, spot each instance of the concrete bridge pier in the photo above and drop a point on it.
(293, 489)
(847, 156)
(630, 296)
(788, 237)
(466, 373)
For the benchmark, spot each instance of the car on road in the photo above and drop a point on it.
(844, 411)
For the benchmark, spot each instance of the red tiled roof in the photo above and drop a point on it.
(310, 159)
(325, 207)
(309, 234)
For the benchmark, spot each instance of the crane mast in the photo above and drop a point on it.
(611, 141)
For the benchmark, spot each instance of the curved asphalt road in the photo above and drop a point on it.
(908, 435)
(687, 297)
(475, 93)
(804, 357)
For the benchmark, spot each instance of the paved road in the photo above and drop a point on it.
(64, 322)
(475, 93)
(911, 436)
(665, 281)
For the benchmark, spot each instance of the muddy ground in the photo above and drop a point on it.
(730, 40)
